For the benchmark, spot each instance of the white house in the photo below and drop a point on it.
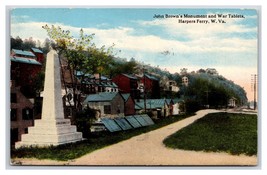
(232, 102)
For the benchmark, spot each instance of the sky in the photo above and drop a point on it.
(147, 35)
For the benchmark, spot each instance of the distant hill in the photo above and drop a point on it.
(206, 86)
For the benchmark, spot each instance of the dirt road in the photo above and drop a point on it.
(148, 149)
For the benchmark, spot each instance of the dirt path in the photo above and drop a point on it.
(148, 149)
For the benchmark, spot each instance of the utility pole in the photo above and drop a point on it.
(144, 77)
(207, 100)
(253, 85)
(207, 95)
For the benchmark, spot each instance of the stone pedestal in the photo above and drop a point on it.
(52, 129)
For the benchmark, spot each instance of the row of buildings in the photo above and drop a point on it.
(120, 95)
(112, 97)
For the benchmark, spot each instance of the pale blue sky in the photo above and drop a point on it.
(231, 48)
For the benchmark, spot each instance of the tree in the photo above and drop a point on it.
(128, 67)
(28, 44)
(84, 120)
(81, 54)
(16, 43)
(46, 45)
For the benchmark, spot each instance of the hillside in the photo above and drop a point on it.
(205, 87)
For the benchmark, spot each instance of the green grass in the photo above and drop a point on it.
(94, 142)
(218, 132)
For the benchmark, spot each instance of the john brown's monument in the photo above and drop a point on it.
(52, 129)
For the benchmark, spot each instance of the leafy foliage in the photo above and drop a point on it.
(84, 120)
(81, 54)
(212, 90)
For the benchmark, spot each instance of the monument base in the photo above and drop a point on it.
(49, 132)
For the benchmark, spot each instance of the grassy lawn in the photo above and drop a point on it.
(95, 141)
(219, 132)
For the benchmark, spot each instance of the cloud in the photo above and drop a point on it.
(29, 29)
(203, 39)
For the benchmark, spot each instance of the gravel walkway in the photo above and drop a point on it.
(148, 149)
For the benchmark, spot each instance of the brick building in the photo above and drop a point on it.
(21, 113)
(39, 55)
(127, 84)
(24, 69)
(151, 85)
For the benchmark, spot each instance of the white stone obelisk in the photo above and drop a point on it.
(52, 129)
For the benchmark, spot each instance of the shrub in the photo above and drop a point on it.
(84, 120)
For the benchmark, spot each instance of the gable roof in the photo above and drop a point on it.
(92, 76)
(126, 96)
(130, 76)
(35, 50)
(103, 96)
(22, 52)
(177, 100)
(151, 77)
(150, 103)
(24, 60)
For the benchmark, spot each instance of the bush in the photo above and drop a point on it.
(191, 106)
(84, 120)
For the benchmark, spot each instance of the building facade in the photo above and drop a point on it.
(24, 69)
(150, 85)
(127, 84)
(110, 104)
(129, 104)
(21, 114)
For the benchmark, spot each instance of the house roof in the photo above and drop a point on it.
(22, 52)
(177, 100)
(126, 96)
(151, 77)
(130, 76)
(103, 96)
(81, 73)
(24, 60)
(36, 50)
(150, 104)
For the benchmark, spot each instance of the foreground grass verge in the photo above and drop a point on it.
(94, 142)
(218, 132)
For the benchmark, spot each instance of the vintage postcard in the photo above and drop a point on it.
(134, 86)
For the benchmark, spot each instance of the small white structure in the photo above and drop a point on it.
(172, 86)
(232, 102)
(168, 85)
(52, 129)
(185, 81)
(176, 106)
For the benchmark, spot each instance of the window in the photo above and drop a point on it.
(107, 109)
(13, 98)
(13, 114)
(27, 114)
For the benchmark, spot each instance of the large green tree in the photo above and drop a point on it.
(81, 55)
